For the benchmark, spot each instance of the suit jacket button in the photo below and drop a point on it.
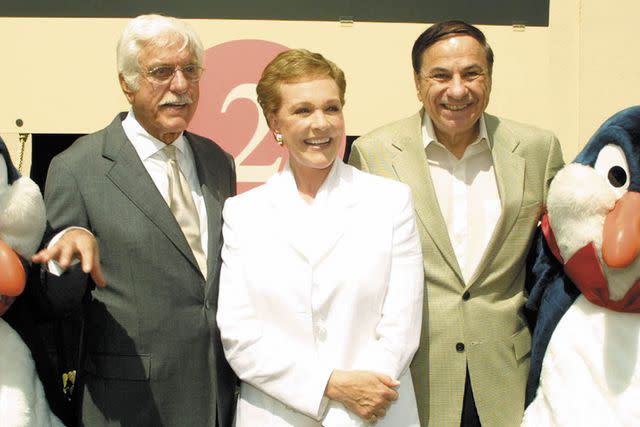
(207, 305)
(466, 296)
(459, 347)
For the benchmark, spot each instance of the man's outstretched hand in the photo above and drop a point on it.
(78, 244)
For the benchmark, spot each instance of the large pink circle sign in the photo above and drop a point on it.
(228, 111)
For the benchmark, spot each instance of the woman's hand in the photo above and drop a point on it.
(366, 394)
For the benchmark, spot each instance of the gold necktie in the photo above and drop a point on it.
(183, 208)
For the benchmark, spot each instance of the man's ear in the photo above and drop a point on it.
(128, 92)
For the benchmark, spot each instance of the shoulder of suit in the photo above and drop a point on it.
(378, 186)
(209, 146)
(209, 143)
(84, 149)
(521, 130)
(92, 144)
(249, 201)
(404, 128)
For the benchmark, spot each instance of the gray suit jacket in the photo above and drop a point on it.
(154, 355)
(478, 324)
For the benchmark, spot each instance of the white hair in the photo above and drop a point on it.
(156, 30)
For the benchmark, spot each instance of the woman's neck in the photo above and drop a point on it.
(309, 181)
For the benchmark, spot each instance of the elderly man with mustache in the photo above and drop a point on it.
(139, 205)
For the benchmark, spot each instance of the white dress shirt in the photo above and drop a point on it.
(154, 159)
(467, 193)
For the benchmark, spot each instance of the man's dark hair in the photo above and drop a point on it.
(443, 30)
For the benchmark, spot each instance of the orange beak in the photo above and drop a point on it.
(621, 233)
(12, 274)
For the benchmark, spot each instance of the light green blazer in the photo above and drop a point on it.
(484, 329)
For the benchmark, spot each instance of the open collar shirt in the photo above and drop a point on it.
(467, 194)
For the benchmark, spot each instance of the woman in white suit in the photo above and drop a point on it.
(321, 285)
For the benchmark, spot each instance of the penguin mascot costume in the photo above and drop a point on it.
(584, 287)
(22, 224)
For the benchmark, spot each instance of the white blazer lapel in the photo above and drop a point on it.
(312, 231)
(335, 200)
(288, 211)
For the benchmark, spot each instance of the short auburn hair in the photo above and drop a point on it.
(293, 66)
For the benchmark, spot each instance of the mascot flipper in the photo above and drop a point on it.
(584, 287)
(22, 223)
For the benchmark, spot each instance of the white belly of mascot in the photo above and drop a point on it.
(22, 399)
(590, 374)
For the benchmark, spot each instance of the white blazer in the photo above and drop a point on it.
(306, 289)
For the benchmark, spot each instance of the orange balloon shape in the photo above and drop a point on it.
(12, 274)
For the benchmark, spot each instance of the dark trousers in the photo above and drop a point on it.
(469, 416)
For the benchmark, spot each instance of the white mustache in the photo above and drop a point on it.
(176, 99)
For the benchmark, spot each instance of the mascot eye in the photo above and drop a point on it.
(612, 165)
(617, 176)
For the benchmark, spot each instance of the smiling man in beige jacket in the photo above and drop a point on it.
(479, 185)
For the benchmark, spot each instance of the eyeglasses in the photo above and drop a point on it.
(164, 73)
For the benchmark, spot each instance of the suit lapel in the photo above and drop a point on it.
(282, 199)
(336, 212)
(325, 224)
(509, 169)
(130, 176)
(410, 165)
(207, 175)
